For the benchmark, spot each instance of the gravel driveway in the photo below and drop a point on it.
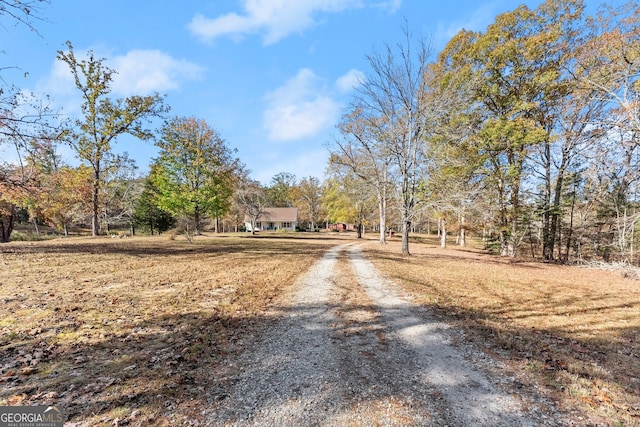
(351, 349)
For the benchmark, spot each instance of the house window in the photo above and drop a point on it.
(286, 225)
(258, 225)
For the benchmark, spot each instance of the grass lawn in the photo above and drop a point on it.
(135, 329)
(139, 329)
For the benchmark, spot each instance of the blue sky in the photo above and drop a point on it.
(272, 76)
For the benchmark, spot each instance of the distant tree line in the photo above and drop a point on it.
(524, 134)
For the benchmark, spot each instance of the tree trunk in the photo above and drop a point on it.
(35, 225)
(7, 218)
(511, 237)
(548, 233)
(463, 233)
(196, 221)
(559, 239)
(555, 215)
(65, 229)
(570, 230)
(382, 208)
(406, 226)
(515, 212)
(95, 225)
(95, 202)
(442, 229)
(504, 243)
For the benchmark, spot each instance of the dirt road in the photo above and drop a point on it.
(349, 348)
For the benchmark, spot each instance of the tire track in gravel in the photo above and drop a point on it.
(378, 388)
(466, 397)
(349, 350)
(288, 377)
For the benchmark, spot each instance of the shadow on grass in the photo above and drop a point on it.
(160, 245)
(457, 254)
(598, 369)
(157, 370)
(164, 370)
(173, 369)
(160, 370)
(600, 372)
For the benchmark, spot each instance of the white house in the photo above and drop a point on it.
(275, 219)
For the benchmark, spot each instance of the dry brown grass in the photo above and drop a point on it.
(574, 330)
(134, 329)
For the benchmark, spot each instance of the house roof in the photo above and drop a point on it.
(279, 214)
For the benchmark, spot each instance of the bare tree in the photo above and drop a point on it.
(251, 196)
(23, 12)
(26, 126)
(347, 198)
(367, 158)
(388, 126)
(309, 196)
(120, 192)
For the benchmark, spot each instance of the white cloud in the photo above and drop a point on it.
(391, 5)
(59, 84)
(142, 72)
(300, 108)
(59, 81)
(138, 72)
(276, 19)
(350, 80)
(290, 122)
(231, 23)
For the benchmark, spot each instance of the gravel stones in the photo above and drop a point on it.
(350, 349)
